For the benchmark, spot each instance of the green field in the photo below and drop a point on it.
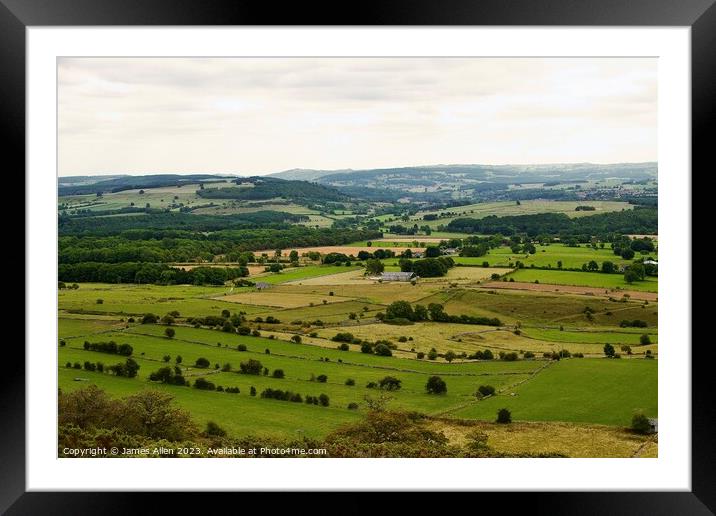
(527, 207)
(548, 256)
(578, 390)
(584, 279)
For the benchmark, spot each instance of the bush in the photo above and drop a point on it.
(420, 355)
(149, 319)
(252, 391)
(204, 384)
(350, 381)
(366, 348)
(169, 332)
(251, 366)
(343, 337)
(243, 330)
(323, 400)
(214, 430)
(321, 378)
(389, 383)
(383, 350)
(640, 423)
(278, 373)
(504, 416)
(241, 347)
(436, 385)
(343, 346)
(353, 406)
(296, 339)
(202, 362)
(644, 340)
(486, 390)
(609, 350)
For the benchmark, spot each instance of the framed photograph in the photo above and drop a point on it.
(418, 250)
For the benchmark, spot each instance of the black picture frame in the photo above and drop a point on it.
(699, 15)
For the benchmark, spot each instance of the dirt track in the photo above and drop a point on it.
(571, 289)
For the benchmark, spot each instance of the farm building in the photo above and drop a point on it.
(398, 276)
(651, 262)
(654, 424)
(262, 285)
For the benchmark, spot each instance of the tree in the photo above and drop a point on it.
(644, 340)
(296, 339)
(251, 366)
(382, 350)
(166, 358)
(608, 350)
(486, 390)
(504, 416)
(178, 359)
(640, 423)
(608, 267)
(374, 266)
(399, 310)
(436, 385)
(389, 383)
(323, 400)
(149, 319)
(169, 332)
(202, 362)
(450, 356)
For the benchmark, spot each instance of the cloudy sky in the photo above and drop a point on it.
(262, 115)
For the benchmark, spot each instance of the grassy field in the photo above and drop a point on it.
(575, 391)
(527, 207)
(587, 279)
(547, 256)
(578, 390)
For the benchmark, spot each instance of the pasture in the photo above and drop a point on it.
(587, 279)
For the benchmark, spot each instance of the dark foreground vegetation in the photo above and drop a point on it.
(150, 421)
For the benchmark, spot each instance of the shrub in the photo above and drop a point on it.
(609, 350)
(251, 366)
(436, 385)
(241, 347)
(296, 339)
(383, 350)
(100, 301)
(321, 378)
(343, 337)
(323, 400)
(201, 362)
(389, 383)
(169, 332)
(243, 330)
(644, 340)
(204, 384)
(486, 390)
(640, 423)
(278, 373)
(420, 355)
(343, 346)
(252, 391)
(350, 381)
(353, 406)
(149, 319)
(366, 348)
(504, 416)
(166, 358)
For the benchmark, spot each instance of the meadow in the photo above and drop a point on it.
(587, 279)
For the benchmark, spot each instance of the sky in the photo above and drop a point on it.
(252, 116)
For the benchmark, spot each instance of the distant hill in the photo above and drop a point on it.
(492, 173)
(122, 183)
(306, 174)
(263, 187)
